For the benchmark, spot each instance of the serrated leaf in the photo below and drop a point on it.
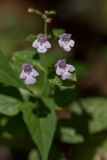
(56, 81)
(41, 128)
(7, 75)
(69, 135)
(9, 106)
(57, 32)
(31, 37)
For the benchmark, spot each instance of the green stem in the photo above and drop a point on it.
(45, 27)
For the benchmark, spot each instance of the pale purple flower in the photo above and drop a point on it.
(28, 74)
(41, 43)
(66, 42)
(64, 70)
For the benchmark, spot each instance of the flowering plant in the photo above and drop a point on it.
(36, 76)
(40, 107)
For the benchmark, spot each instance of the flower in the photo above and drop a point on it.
(41, 43)
(66, 42)
(28, 74)
(64, 70)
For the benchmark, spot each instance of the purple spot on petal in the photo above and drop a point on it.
(42, 38)
(62, 64)
(27, 68)
(65, 37)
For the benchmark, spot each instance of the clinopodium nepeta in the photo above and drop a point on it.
(41, 43)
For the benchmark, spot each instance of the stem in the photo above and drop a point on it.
(45, 27)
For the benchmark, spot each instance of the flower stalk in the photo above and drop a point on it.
(45, 16)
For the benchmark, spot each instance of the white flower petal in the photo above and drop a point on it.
(23, 75)
(41, 49)
(61, 43)
(70, 68)
(34, 73)
(59, 71)
(71, 43)
(63, 77)
(30, 80)
(66, 76)
(67, 48)
(35, 44)
(66, 73)
(47, 44)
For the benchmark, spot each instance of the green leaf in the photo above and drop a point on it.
(48, 61)
(56, 81)
(69, 135)
(74, 77)
(97, 108)
(31, 37)
(9, 106)
(57, 32)
(13, 133)
(21, 57)
(76, 108)
(7, 75)
(50, 103)
(41, 123)
(33, 155)
(62, 84)
(42, 86)
(38, 64)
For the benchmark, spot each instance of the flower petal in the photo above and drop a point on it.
(34, 73)
(70, 68)
(30, 80)
(66, 75)
(23, 75)
(47, 44)
(35, 44)
(41, 49)
(61, 43)
(71, 43)
(67, 48)
(59, 71)
(57, 64)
